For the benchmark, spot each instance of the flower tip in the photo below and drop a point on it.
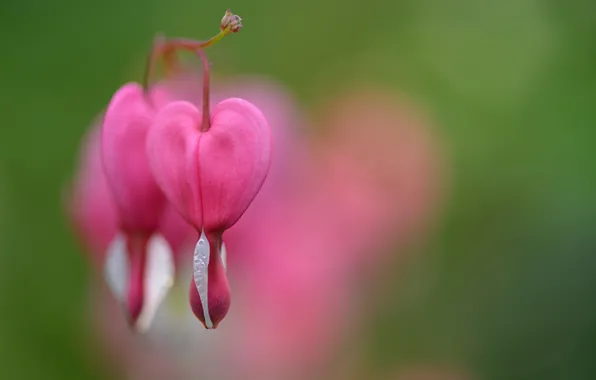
(231, 22)
(218, 305)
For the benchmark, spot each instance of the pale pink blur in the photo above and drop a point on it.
(89, 201)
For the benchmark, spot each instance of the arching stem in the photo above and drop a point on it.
(167, 48)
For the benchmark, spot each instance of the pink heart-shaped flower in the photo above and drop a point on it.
(140, 204)
(210, 177)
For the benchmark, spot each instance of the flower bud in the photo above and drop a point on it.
(231, 22)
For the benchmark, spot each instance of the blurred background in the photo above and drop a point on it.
(499, 282)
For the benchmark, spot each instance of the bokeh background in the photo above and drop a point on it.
(504, 284)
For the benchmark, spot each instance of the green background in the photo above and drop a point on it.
(509, 284)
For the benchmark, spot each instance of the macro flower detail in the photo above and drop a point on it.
(207, 164)
(139, 260)
(231, 21)
(210, 165)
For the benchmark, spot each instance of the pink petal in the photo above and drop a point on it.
(234, 159)
(279, 108)
(275, 102)
(172, 150)
(211, 177)
(128, 118)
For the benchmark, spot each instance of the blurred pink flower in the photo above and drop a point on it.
(382, 169)
(371, 184)
(94, 215)
(140, 202)
(210, 168)
(89, 202)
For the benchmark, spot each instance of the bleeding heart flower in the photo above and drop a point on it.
(96, 218)
(210, 166)
(140, 204)
(139, 200)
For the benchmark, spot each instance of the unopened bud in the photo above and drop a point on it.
(231, 22)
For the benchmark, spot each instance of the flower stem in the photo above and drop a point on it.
(166, 48)
(206, 122)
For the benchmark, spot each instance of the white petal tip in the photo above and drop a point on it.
(159, 279)
(116, 268)
(201, 276)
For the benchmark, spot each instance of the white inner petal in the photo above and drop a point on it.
(201, 276)
(159, 278)
(116, 268)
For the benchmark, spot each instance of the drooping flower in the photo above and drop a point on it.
(210, 165)
(140, 205)
(95, 217)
